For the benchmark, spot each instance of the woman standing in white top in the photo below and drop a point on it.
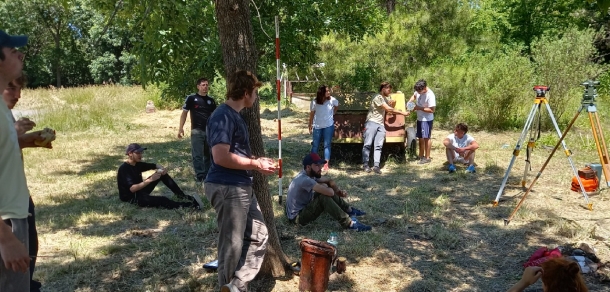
(321, 121)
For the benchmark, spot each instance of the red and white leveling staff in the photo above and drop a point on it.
(279, 106)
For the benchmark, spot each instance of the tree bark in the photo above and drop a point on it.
(389, 6)
(239, 53)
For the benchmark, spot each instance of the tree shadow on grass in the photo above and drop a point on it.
(110, 245)
(438, 231)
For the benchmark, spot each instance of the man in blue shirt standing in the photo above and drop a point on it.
(201, 106)
(242, 240)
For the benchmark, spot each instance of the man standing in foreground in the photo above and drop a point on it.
(11, 96)
(425, 103)
(242, 241)
(14, 198)
(374, 128)
(201, 107)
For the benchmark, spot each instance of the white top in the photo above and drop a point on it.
(14, 194)
(427, 99)
(323, 117)
(460, 143)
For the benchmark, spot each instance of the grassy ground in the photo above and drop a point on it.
(433, 231)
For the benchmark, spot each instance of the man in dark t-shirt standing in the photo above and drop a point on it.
(242, 241)
(201, 106)
(134, 189)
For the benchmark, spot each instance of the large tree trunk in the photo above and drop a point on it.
(239, 53)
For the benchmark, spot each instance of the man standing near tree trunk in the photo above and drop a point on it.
(242, 241)
(201, 107)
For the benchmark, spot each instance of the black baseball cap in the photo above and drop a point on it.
(134, 147)
(312, 158)
(14, 41)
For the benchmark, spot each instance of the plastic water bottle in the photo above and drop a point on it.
(333, 239)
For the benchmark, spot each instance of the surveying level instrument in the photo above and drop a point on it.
(532, 126)
(588, 103)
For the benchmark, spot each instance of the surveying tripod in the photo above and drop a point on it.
(531, 120)
(588, 103)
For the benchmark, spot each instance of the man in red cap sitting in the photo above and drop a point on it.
(310, 194)
(134, 189)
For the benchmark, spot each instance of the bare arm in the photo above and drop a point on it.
(424, 109)
(324, 189)
(331, 184)
(392, 110)
(13, 252)
(310, 123)
(23, 125)
(530, 276)
(137, 187)
(182, 121)
(473, 146)
(223, 157)
(28, 140)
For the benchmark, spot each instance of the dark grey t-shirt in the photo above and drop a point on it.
(226, 126)
(300, 193)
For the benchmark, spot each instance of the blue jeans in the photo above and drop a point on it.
(202, 156)
(326, 134)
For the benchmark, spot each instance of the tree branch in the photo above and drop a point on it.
(260, 20)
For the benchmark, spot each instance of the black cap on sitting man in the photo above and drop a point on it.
(134, 147)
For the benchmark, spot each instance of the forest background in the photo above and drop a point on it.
(473, 53)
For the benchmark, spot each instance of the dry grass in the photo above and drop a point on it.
(433, 231)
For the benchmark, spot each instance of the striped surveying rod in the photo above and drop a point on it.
(278, 86)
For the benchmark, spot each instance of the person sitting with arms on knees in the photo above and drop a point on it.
(133, 189)
(310, 194)
(558, 275)
(460, 148)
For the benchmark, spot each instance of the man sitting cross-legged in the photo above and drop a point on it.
(460, 148)
(309, 195)
(133, 189)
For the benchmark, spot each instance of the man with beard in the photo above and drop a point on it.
(310, 194)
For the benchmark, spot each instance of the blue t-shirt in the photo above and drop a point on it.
(226, 126)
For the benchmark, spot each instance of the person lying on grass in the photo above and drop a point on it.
(310, 194)
(135, 190)
(558, 275)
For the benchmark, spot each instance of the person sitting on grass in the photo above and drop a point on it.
(135, 190)
(558, 275)
(310, 194)
(460, 148)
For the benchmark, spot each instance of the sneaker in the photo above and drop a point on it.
(197, 199)
(366, 168)
(451, 168)
(358, 227)
(377, 170)
(356, 212)
(424, 160)
(229, 287)
(471, 169)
